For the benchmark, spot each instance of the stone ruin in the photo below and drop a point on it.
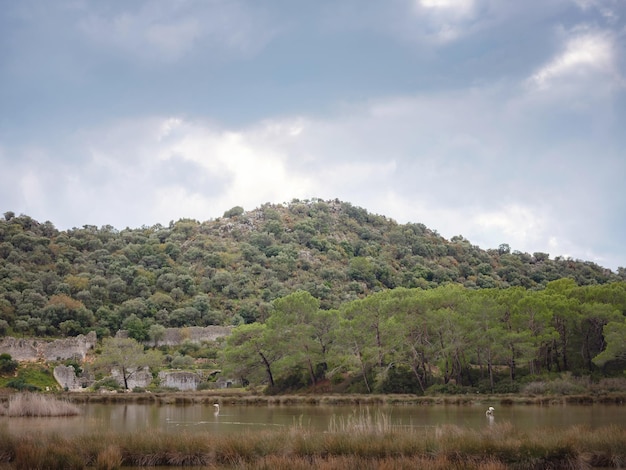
(180, 380)
(67, 379)
(25, 350)
(76, 348)
(194, 334)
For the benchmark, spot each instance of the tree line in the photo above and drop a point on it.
(451, 337)
(230, 270)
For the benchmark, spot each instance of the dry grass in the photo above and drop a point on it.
(37, 405)
(365, 442)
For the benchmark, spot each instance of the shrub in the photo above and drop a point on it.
(204, 386)
(108, 383)
(21, 385)
(7, 364)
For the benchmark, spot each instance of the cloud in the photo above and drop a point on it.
(585, 54)
(460, 162)
(166, 31)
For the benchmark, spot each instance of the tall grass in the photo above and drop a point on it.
(38, 405)
(369, 445)
(361, 421)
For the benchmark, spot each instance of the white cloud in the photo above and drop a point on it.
(459, 162)
(584, 54)
(521, 226)
(457, 6)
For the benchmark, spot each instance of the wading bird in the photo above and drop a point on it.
(490, 411)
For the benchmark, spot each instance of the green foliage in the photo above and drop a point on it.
(7, 364)
(234, 212)
(229, 270)
(127, 356)
(107, 383)
(21, 385)
(30, 377)
(450, 339)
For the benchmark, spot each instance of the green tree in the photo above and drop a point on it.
(486, 332)
(156, 333)
(291, 323)
(615, 335)
(250, 354)
(136, 327)
(127, 356)
(233, 212)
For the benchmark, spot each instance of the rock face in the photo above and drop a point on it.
(57, 350)
(66, 376)
(194, 334)
(140, 378)
(180, 380)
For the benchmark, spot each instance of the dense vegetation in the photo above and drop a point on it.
(230, 270)
(448, 339)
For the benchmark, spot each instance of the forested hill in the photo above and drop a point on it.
(229, 270)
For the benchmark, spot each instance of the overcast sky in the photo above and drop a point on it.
(503, 121)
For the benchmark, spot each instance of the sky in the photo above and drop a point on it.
(502, 121)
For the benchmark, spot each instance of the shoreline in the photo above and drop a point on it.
(244, 398)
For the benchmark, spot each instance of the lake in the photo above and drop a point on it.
(122, 418)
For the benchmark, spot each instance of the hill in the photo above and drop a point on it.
(229, 270)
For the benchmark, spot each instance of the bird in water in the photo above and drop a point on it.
(217, 409)
(490, 411)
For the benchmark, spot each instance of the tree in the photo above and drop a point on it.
(487, 332)
(233, 212)
(250, 353)
(136, 327)
(615, 335)
(156, 333)
(126, 355)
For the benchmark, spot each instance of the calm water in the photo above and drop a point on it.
(235, 419)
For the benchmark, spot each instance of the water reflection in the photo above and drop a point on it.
(121, 418)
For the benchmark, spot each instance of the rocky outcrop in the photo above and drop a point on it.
(37, 350)
(138, 379)
(180, 380)
(66, 377)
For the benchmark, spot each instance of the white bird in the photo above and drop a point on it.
(490, 411)
(217, 408)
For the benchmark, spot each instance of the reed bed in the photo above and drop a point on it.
(38, 405)
(243, 398)
(363, 442)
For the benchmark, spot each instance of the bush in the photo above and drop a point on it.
(21, 385)
(506, 387)
(108, 383)
(204, 386)
(7, 364)
(400, 379)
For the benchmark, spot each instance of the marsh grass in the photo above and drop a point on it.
(371, 446)
(38, 405)
(361, 421)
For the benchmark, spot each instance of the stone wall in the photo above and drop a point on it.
(38, 350)
(66, 377)
(180, 380)
(140, 378)
(194, 334)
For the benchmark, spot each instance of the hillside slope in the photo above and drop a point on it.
(228, 270)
